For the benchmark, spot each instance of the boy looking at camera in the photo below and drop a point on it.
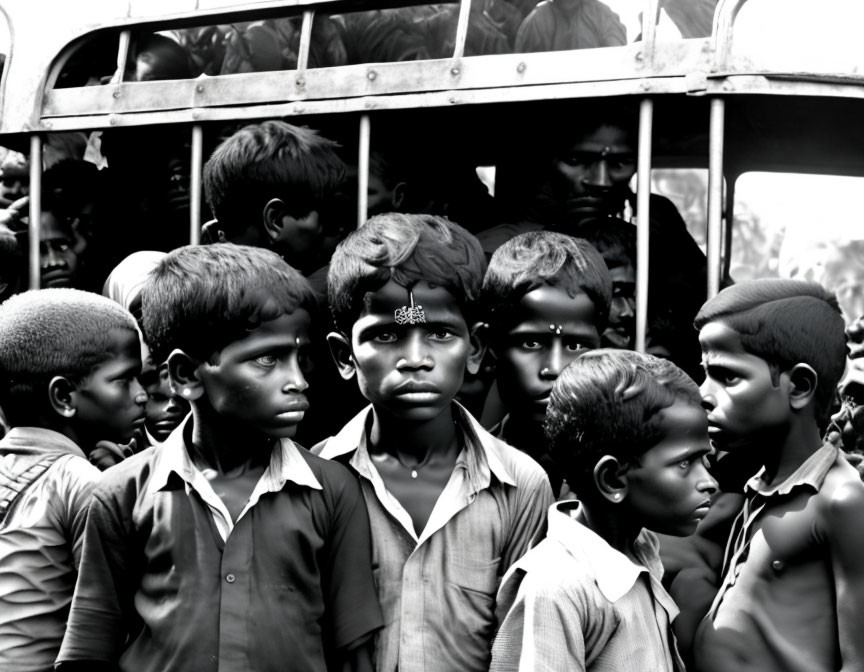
(451, 507)
(631, 438)
(792, 593)
(546, 297)
(227, 547)
(68, 367)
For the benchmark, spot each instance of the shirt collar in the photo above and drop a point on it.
(37, 440)
(810, 474)
(481, 456)
(286, 464)
(614, 572)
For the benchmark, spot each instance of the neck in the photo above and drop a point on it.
(606, 520)
(800, 440)
(224, 445)
(394, 435)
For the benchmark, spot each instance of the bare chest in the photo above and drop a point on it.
(416, 489)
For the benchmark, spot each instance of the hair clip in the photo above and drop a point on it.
(410, 315)
(556, 328)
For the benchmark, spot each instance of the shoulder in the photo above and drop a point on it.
(549, 571)
(840, 500)
(524, 469)
(337, 481)
(132, 474)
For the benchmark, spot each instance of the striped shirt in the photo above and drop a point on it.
(575, 603)
(437, 589)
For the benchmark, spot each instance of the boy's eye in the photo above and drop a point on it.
(266, 360)
(385, 337)
(439, 335)
(530, 344)
(685, 464)
(576, 346)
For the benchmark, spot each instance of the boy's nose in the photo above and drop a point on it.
(706, 389)
(598, 174)
(707, 483)
(551, 368)
(416, 353)
(51, 258)
(296, 383)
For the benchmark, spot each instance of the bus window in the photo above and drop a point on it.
(687, 188)
(796, 35)
(817, 235)
(685, 19)
(559, 25)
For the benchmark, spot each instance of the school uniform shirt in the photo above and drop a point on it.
(164, 566)
(748, 604)
(437, 589)
(575, 603)
(40, 547)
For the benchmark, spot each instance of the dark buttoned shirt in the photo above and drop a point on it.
(169, 582)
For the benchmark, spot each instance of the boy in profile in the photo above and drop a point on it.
(546, 297)
(451, 507)
(268, 185)
(792, 590)
(227, 547)
(630, 436)
(68, 367)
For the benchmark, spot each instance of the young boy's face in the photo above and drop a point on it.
(669, 491)
(549, 329)
(259, 380)
(411, 371)
(110, 401)
(745, 407)
(164, 410)
(621, 331)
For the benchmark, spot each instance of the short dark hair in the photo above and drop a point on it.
(407, 249)
(201, 298)
(272, 159)
(614, 239)
(538, 258)
(52, 332)
(786, 322)
(606, 403)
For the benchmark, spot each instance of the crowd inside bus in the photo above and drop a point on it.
(425, 443)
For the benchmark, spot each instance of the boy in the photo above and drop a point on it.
(68, 362)
(227, 547)
(164, 410)
(547, 298)
(792, 593)
(451, 507)
(629, 434)
(268, 184)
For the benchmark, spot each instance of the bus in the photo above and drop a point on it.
(747, 110)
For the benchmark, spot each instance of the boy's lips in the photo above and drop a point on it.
(702, 510)
(416, 386)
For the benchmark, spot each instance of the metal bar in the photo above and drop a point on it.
(122, 56)
(462, 29)
(35, 261)
(305, 40)
(721, 35)
(363, 169)
(728, 224)
(643, 219)
(650, 16)
(715, 194)
(195, 185)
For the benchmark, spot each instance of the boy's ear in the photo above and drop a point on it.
(398, 195)
(61, 396)
(183, 373)
(340, 350)
(272, 216)
(478, 335)
(803, 380)
(610, 479)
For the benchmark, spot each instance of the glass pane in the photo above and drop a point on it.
(800, 35)
(818, 235)
(558, 25)
(685, 19)
(687, 188)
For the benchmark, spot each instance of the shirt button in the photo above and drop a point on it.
(777, 565)
(230, 578)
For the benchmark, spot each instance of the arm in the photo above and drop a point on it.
(102, 604)
(79, 481)
(542, 631)
(840, 521)
(532, 500)
(349, 587)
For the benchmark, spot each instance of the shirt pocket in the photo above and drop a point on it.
(471, 589)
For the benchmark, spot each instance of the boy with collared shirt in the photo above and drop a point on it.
(227, 547)
(546, 296)
(792, 593)
(451, 507)
(68, 367)
(628, 432)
